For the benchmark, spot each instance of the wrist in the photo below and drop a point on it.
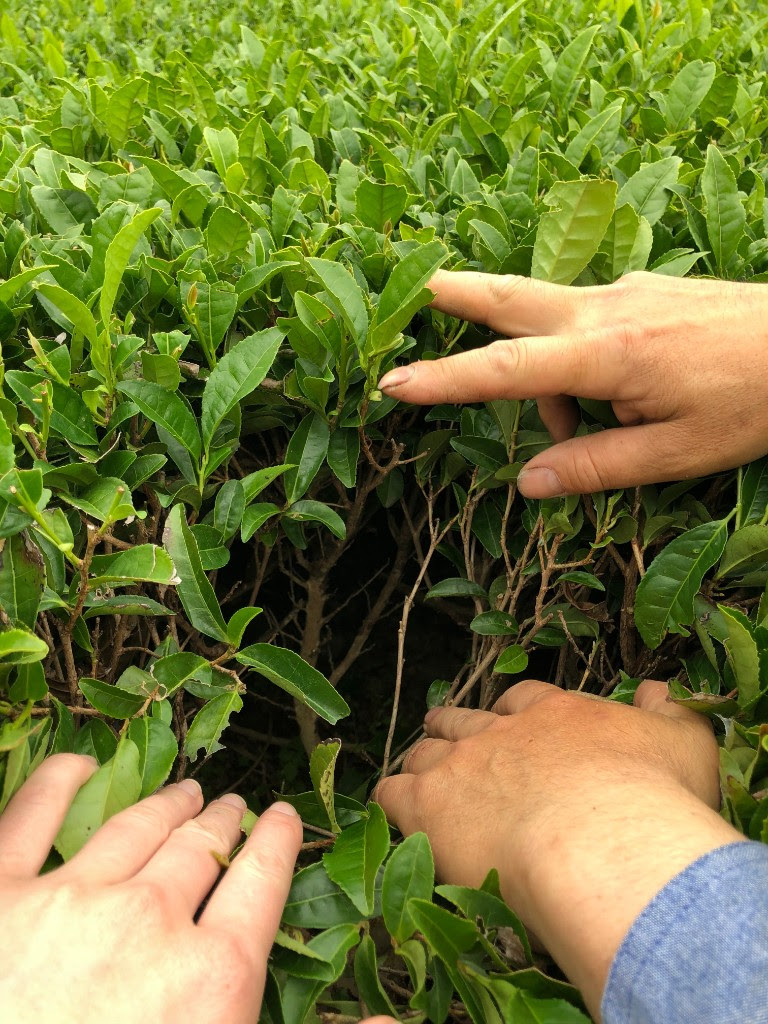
(583, 876)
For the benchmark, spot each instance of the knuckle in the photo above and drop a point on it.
(150, 898)
(149, 817)
(268, 868)
(505, 358)
(215, 828)
(502, 288)
(456, 722)
(629, 285)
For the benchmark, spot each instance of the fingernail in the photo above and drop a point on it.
(393, 379)
(540, 482)
(430, 715)
(283, 808)
(191, 786)
(233, 800)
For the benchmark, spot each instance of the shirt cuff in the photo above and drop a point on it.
(699, 951)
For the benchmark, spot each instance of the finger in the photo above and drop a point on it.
(560, 415)
(505, 302)
(652, 695)
(425, 754)
(586, 365)
(188, 862)
(522, 695)
(456, 723)
(395, 796)
(32, 819)
(124, 844)
(249, 900)
(619, 457)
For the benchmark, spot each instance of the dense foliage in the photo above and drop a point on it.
(217, 223)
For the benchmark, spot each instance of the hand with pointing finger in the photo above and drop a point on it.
(586, 807)
(683, 362)
(113, 935)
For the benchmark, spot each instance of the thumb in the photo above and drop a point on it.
(620, 457)
(651, 695)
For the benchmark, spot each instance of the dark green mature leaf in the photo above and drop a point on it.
(293, 674)
(157, 748)
(753, 497)
(316, 902)
(512, 660)
(457, 587)
(356, 857)
(236, 376)
(117, 257)
(300, 994)
(209, 723)
(316, 512)
(369, 987)
(194, 589)
(22, 577)
(664, 599)
(726, 216)
(166, 408)
(745, 550)
(409, 874)
(306, 451)
(344, 296)
(322, 764)
(111, 700)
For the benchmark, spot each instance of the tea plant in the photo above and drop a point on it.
(217, 228)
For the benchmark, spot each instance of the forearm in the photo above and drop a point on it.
(588, 876)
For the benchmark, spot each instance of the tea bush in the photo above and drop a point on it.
(217, 227)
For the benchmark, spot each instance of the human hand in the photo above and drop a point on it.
(586, 807)
(111, 935)
(683, 362)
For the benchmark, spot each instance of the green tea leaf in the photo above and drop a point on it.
(236, 376)
(356, 857)
(166, 408)
(306, 451)
(322, 764)
(117, 257)
(726, 216)
(194, 589)
(664, 600)
(689, 87)
(293, 674)
(209, 723)
(157, 748)
(409, 874)
(569, 235)
(512, 660)
(22, 577)
(111, 700)
(115, 786)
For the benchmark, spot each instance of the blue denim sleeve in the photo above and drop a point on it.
(698, 953)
